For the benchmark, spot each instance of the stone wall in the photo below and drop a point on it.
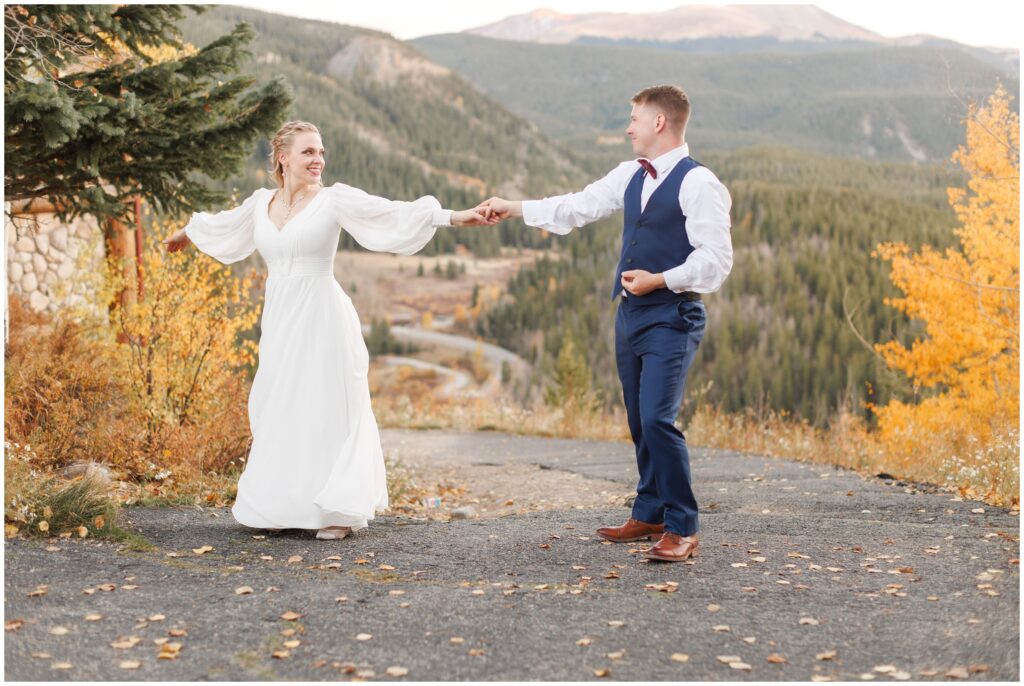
(43, 256)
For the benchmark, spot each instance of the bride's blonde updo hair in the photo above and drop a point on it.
(281, 141)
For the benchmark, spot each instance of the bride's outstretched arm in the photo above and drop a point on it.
(226, 236)
(397, 226)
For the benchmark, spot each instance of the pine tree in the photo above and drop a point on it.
(571, 387)
(104, 102)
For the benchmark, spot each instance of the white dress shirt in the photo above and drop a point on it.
(703, 199)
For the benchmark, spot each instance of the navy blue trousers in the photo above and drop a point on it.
(654, 348)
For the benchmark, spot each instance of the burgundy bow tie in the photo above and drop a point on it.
(649, 168)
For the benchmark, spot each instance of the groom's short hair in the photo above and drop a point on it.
(672, 102)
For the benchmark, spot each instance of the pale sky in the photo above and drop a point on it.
(978, 22)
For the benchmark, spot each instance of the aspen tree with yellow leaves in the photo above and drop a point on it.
(965, 370)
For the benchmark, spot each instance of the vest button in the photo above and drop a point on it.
(629, 260)
(633, 243)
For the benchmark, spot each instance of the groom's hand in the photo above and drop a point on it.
(501, 208)
(640, 282)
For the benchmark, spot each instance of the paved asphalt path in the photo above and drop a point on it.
(838, 575)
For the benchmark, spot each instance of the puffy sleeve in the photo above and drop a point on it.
(386, 225)
(226, 236)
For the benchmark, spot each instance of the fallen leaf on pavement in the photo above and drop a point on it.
(130, 664)
(776, 659)
(827, 655)
(811, 621)
(668, 587)
(243, 590)
(364, 637)
(39, 590)
(957, 673)
(124, 643)
(13, 624)
(291, 616)
(294, 558)
(727, 659)
(601, 672)
(280, 654)
(396, 671)
(714, 608)
(203, 550)
(58, 630)
(585, 641)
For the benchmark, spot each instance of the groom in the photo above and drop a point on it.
(676, 244)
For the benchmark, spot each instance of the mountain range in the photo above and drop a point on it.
(729, 28)
(875, 102)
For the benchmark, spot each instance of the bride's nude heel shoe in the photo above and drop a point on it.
(333, 532)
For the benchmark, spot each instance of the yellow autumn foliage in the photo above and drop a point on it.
(184, 335)
(965, 370)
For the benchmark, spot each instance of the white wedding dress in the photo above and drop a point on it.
(316, 458)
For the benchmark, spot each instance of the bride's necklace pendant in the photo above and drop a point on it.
(292, 206)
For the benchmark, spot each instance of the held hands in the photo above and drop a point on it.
(177, 241)
(640, 282)
(501, 208)
(488, 213)
(473, 217)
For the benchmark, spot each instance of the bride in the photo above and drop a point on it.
(316, 460)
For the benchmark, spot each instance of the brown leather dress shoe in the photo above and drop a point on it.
(633, 530)
(673, 548)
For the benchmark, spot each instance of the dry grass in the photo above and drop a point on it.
(425, 411)
(989, 472)
(38, 503)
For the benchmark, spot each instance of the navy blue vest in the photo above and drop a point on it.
(655, 239)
